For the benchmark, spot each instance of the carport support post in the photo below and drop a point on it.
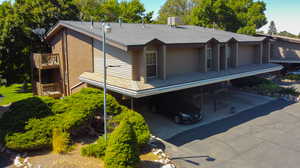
(131, 102)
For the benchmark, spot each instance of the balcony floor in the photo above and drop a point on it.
(191, 78)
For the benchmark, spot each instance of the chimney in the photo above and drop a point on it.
(174, 21)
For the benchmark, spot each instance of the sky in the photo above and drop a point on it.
(286, 14)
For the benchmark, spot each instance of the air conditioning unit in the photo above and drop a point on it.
(174, 21)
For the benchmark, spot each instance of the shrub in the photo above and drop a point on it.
(20, 112)
(68, 114)
(37, 135)
(292, 77)
(122, 149)
(289, 91)
(95, 150)
(60, 141)
(138, 123)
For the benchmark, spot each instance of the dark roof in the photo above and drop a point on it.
(281, 38)
(137, 34)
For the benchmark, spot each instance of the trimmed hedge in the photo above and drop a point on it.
(96, 150)
(138, 123)
(35, 131)
(122, 150)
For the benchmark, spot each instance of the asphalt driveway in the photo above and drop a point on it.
(267, 136)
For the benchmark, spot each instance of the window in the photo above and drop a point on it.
(151, 64)
(209, 58)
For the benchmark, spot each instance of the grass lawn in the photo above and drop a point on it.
(13, 93)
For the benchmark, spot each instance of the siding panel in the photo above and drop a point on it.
(247, 54)
(115, 57)
(183, 60)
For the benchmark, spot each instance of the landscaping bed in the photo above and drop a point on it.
(40, 124)
(73, 159)
(266, 87)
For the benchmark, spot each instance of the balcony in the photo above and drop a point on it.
(45, 61)
(49, 89)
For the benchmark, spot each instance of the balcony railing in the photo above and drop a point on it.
(45, 61)
(49, 89)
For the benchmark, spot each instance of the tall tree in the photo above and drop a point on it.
(17, 41)
(214, 14)
(272, 28)
(89, 9)
(242, 16)
(287, 34)
(111, 10)
(178, 8)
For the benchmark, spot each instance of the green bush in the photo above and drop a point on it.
(289, 91)
(138, 123)
(95, 150)
(20, 112)
(122, 150)
(35, 129)
(292, 77)
(60, 141)
(37, 135)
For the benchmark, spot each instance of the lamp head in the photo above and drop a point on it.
(107, 28)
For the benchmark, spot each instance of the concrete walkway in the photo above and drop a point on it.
(267, 136)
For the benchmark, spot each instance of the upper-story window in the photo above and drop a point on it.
(209, 58)
(151, 64)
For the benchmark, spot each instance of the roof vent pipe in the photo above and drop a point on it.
(120, 22)
(143, 22)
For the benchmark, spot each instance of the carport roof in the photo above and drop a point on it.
(138, 34)
(138, 89)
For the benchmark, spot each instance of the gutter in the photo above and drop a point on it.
(285, 61)
(176, 87)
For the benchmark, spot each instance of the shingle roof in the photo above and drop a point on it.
(137, 34)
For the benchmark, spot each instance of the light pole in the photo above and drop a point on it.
(106, 28)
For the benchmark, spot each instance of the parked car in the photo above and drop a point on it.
(181, 108)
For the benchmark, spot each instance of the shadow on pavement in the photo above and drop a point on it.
(223, 125)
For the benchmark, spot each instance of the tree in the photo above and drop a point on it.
(287, 34)
(272, 28)
(89, 9)
(214, 14)
(17, 42)
(111, 11)
(242, 16)
(178, 8)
